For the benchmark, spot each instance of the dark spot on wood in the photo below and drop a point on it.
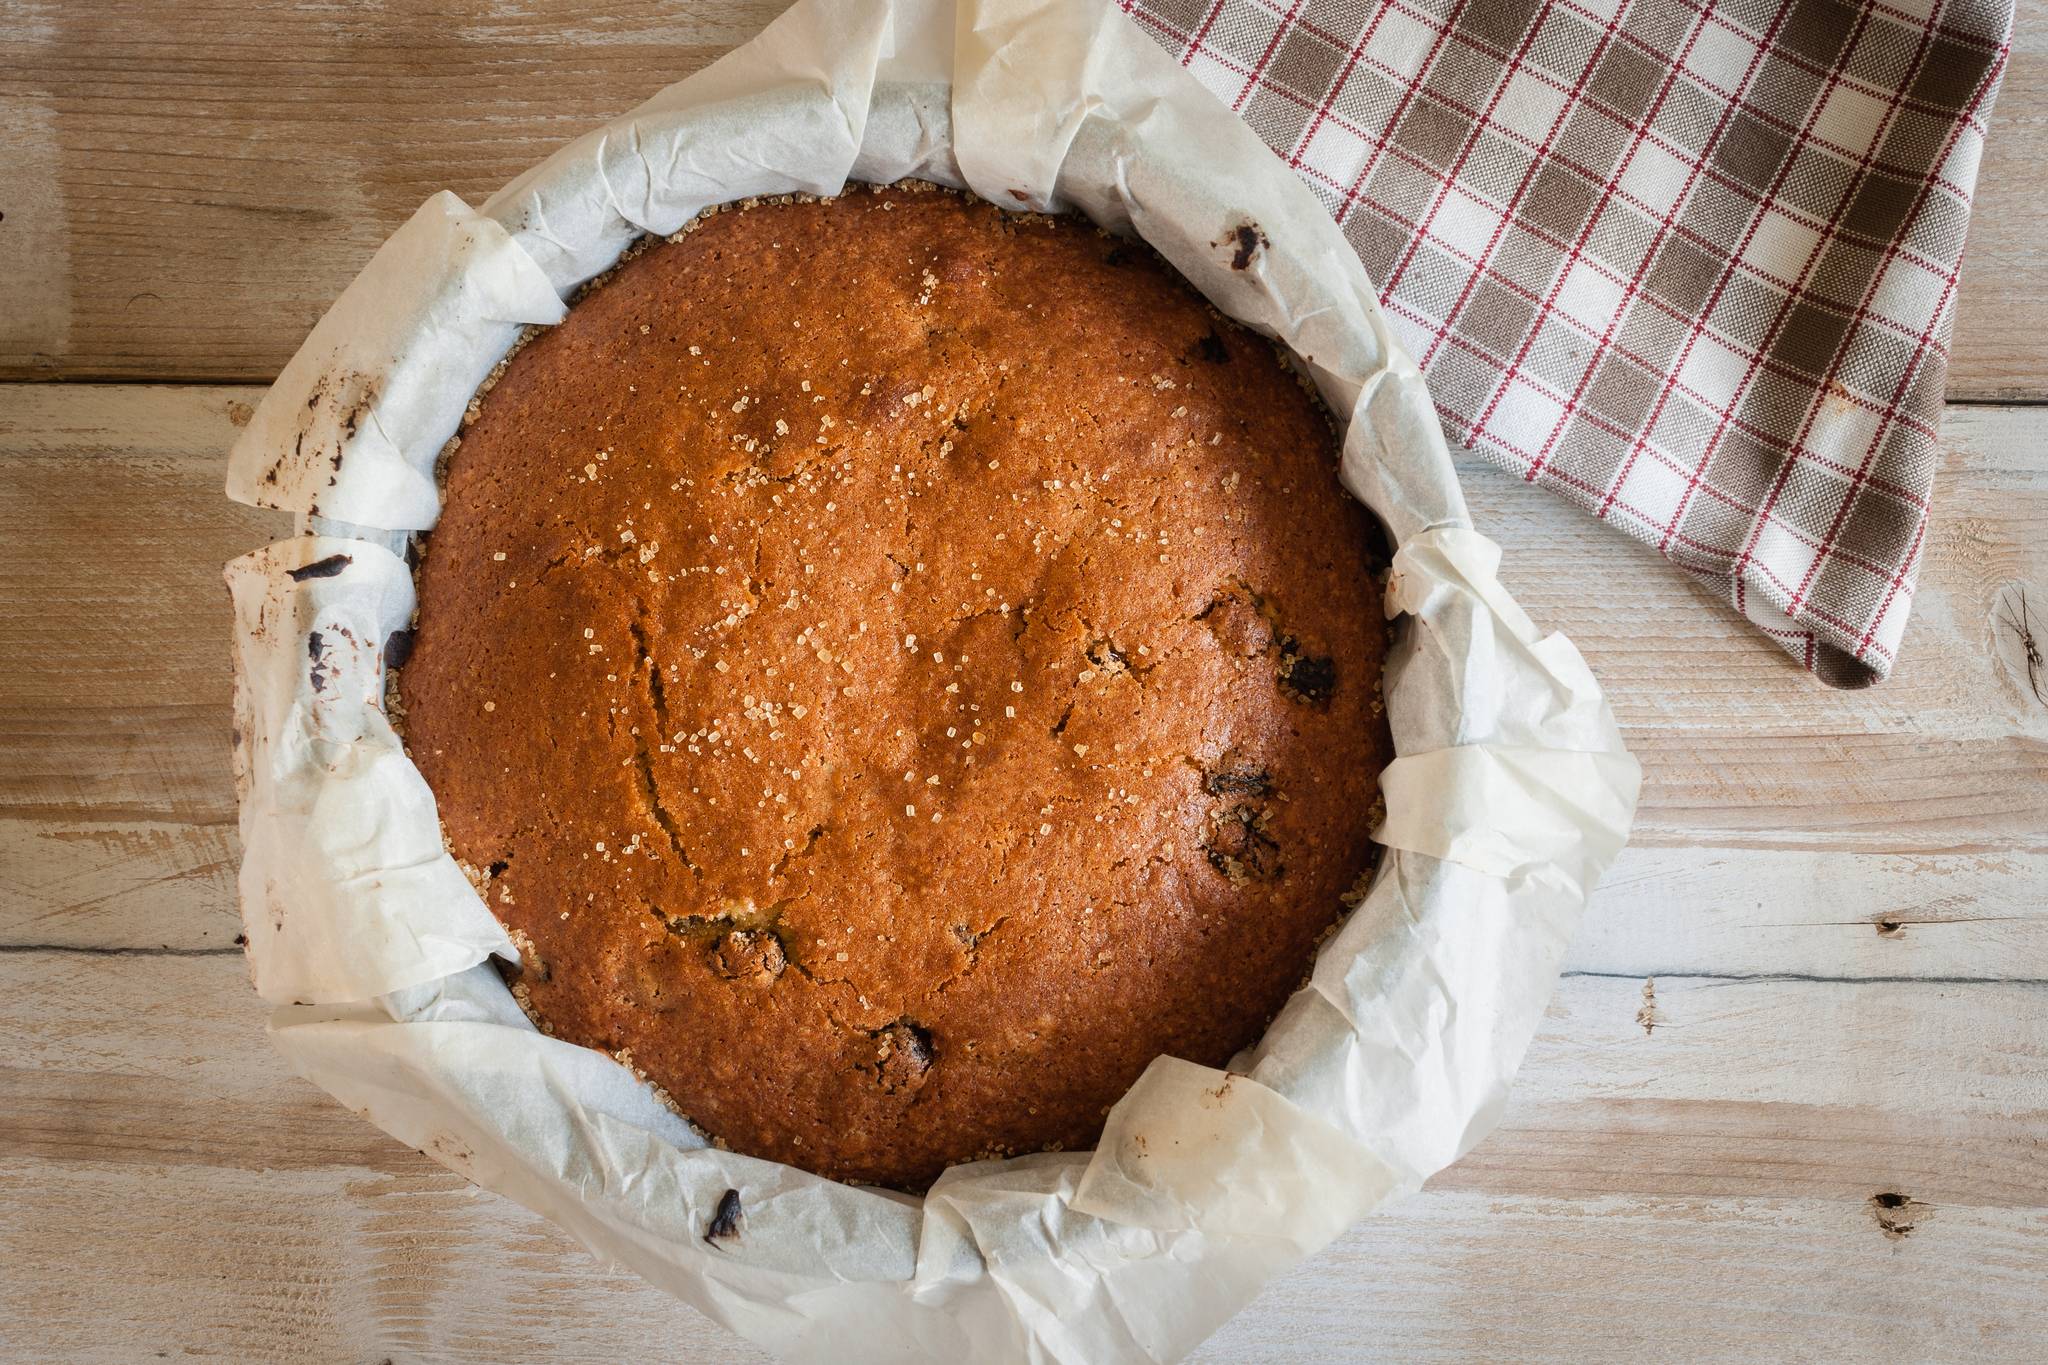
(1898, 1215)
(497, 869)
(1211, 349)
(241, 940)
(1890, 928)
(725, 1219)
(320, 568)
(1117, 256)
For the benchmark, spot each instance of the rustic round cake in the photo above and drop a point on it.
(898, 667)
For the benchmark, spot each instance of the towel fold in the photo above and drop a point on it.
(1690, 265)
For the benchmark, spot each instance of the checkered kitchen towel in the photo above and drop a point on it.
(1689, 263)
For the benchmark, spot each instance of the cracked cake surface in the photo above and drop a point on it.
(898, 668)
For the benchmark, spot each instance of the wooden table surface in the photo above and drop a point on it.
(1792, 1098)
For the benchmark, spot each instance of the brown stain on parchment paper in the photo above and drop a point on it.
(1216, 1098)
(329, 567)
(1244, 241)
(335, 411)
(449, 1151)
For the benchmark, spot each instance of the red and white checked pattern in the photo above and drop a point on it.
(1690, 264)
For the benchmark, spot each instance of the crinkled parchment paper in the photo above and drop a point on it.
(1511, 793)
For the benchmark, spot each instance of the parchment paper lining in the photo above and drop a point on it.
(1511, 793)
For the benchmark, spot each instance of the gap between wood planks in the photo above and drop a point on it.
(17, 949)
(1939, 1091)
(1710, 978)
(1651, 975)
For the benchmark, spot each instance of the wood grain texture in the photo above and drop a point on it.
(197, 181)
(345, 1264)
(1671, 1086)
(276, 145)
(2000, 349)
(116, 816)
(1735, 1141)
(1819, 974)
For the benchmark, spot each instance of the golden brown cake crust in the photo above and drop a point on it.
(903, 666)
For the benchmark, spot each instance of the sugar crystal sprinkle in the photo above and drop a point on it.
(769, 659)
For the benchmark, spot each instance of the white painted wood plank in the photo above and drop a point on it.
(1673, 1086)
(1469, 1277)
(360, 1264)
(108, 1263)
(1766, 912)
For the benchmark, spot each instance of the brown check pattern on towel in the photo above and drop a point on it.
(1690, 264)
